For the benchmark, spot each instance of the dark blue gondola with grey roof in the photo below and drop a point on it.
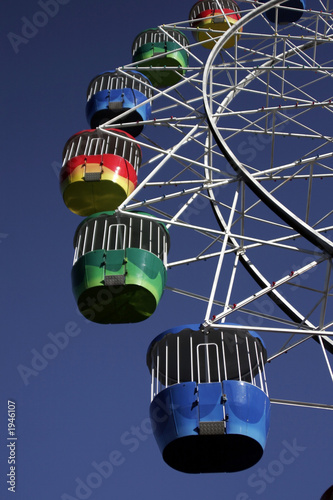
(289, 12)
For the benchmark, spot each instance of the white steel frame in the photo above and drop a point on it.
(190, 160)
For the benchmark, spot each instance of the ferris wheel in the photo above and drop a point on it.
(228, 179)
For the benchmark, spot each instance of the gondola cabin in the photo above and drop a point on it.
(99, 170)
(290, 12)
(162, 55)
(328, 495)
(113, 93)
(209, 408)
(210, 22)
(119, 269)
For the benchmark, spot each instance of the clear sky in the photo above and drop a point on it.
(89, 402)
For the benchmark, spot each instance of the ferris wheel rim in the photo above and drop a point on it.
(300, 226)
(320, 242)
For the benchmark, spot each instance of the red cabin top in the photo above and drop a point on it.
(206, 8)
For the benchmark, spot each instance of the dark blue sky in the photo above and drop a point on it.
(88, 403)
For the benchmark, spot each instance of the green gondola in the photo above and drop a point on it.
(119, 269)
(155, 51)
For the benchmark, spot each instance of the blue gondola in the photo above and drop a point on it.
(284, 12)
(209, 406)
(112, 93)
